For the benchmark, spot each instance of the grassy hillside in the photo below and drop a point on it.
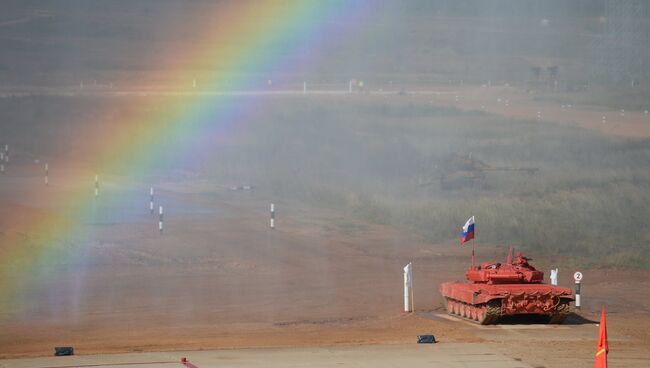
(369, 156)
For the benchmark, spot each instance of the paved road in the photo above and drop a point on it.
(466, 355)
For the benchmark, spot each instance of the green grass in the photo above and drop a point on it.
(588, 201)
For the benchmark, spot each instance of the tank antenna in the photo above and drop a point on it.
(509, 259)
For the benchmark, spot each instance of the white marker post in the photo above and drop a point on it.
(272, 216)
(622, 112)
(47, 174)
(554, 276)
(408, 288)
(604, 119)
(350, 86)
(193, 83)
(96, 185)
(577, 277)
(160, 219)
(304, 88)
(151, 200)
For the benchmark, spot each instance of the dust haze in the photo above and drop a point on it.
(375, 127)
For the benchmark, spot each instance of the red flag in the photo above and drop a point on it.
(602, 349)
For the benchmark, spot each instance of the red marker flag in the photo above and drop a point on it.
(602, 349)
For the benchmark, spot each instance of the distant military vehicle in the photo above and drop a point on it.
(457, 171)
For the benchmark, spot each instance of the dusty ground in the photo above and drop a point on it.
(442, 355)
(516, 103)
(220, 278)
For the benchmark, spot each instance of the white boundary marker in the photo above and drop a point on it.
(272, 221)
(160, 219)
(408, 288)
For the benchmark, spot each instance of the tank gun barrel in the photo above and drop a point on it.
(529, 170)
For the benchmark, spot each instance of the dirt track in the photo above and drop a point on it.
(220, 278)
(232, 282)
(506, 101)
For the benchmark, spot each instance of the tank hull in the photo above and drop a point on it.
(486, 303)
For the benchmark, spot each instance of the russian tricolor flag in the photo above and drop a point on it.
(468, 231)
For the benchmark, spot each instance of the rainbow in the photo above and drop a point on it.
(264, 36)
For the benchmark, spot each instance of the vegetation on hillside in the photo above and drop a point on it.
(377, 159)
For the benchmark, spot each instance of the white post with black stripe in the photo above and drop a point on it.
(272, 223)
(408, 288)
(577, 277)
(160, 219)
(151, 200)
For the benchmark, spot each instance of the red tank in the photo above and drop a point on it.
(495, 290)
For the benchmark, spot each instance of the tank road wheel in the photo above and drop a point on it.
(481, 314)
(468, 311)
(456, 308)
(474, 313)
(450, 306)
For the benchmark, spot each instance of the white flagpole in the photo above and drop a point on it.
(473, 242)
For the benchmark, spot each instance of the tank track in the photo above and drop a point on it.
(493, 312)
(490, 312)
(561, 312)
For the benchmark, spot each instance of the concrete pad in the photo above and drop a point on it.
(461, 355)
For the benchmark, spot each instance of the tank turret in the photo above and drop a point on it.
(518, 271)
